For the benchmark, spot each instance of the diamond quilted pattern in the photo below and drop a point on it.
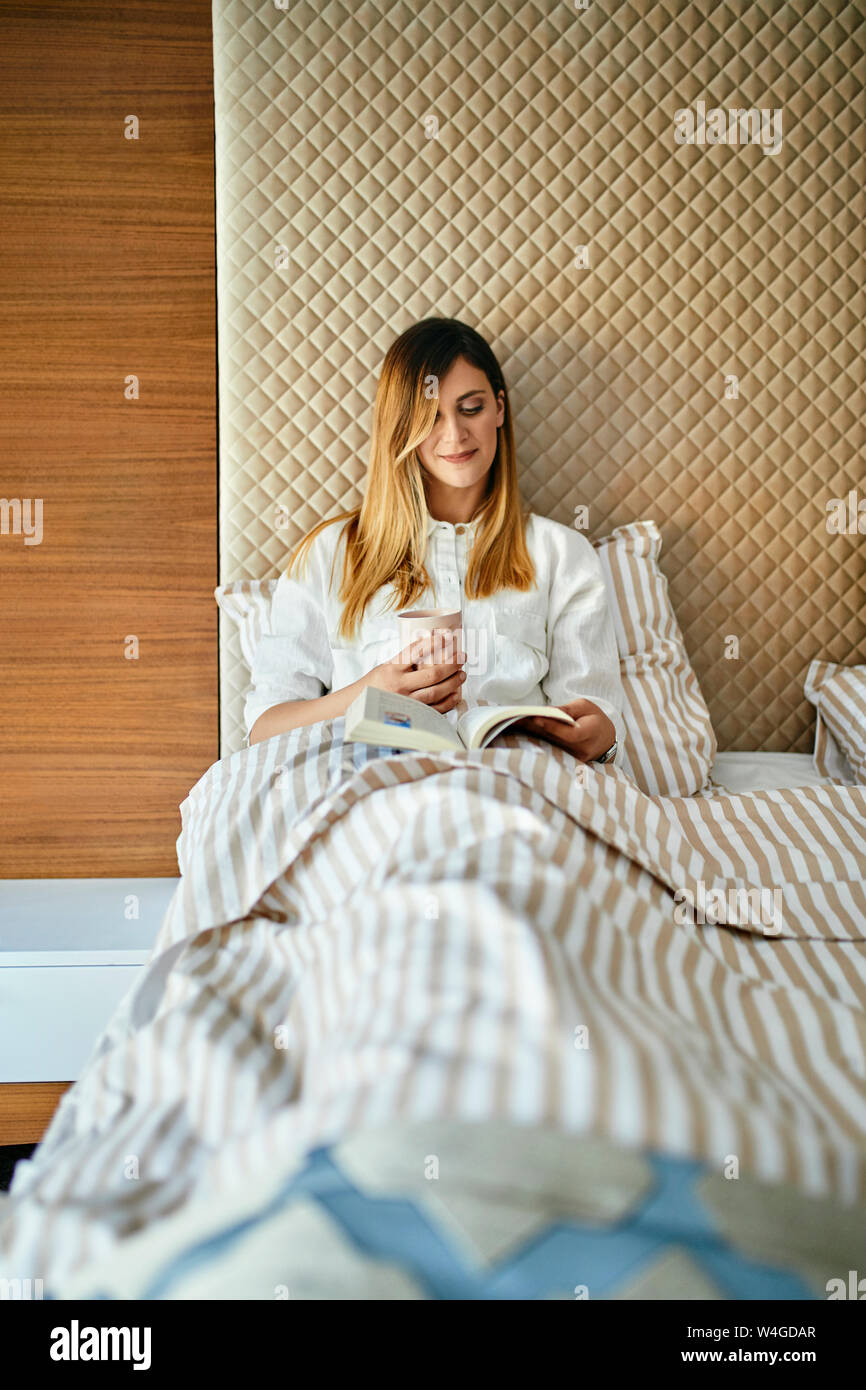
(555, 132)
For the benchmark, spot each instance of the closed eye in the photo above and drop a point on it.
(474, 410)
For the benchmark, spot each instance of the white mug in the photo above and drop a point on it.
(414, 621)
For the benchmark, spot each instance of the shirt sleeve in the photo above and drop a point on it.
(293, 659)
(583, 659)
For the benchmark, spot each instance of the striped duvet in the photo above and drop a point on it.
(363, 936)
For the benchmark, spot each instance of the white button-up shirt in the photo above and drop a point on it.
(546, 645)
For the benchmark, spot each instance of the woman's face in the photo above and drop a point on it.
(462, 444)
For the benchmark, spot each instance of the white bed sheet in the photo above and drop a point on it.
(764, 772)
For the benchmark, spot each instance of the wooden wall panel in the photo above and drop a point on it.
(107, 269)
(26, 1110)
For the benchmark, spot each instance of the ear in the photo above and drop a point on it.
(500, 409)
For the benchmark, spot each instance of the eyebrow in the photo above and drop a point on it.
(479, 391)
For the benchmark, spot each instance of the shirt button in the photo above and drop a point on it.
(460, 530)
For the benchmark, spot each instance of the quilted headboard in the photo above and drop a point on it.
(680, 318)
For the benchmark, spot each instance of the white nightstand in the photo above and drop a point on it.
(69, 950)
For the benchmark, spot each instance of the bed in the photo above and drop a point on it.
(432, 949)
(495, 1025)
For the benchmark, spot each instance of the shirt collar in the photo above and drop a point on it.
(433, 522)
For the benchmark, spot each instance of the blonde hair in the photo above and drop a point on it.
(386, 536)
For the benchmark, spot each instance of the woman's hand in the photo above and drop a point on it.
(429, 670)
(591, 736)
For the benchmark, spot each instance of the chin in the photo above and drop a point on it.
(464, 474)
(464, 479)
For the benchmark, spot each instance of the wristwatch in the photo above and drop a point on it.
(606, 757)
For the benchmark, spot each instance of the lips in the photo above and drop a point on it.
(459, 458)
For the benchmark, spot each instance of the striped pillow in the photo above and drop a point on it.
(670, 744)
(839, 695)
(248, 603)
(828, 758)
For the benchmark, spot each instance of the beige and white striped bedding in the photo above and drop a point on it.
(473, 935)
(670, 741)
(839, 696)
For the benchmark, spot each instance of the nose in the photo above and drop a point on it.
(454, 431)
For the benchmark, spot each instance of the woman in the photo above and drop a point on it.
(441, 525)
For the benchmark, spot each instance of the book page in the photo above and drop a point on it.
(476, 724)
(403, 713)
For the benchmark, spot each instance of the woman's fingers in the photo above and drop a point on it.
(434, 691)
(446, 705)
(441, 647)
(431, 683)
(430, 669)
(591, 735)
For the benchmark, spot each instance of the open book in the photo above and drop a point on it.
(398, 721)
